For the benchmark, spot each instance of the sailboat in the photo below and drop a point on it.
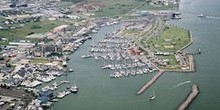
(153, 96)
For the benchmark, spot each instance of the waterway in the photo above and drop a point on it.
(98, 92)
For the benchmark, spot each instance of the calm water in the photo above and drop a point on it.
(98, 92)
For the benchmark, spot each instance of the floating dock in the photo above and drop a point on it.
(190, 98)
(151, 82)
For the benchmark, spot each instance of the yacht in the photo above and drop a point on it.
(67, 92)
(54, 100)
(74, 88)
(61, 94)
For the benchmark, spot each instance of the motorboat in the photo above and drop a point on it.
(201, 15)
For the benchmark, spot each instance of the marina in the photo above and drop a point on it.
(89, 66)
(119, 56)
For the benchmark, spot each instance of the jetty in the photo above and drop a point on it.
(194, 92)
(151, 82)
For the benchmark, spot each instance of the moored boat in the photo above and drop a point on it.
(73, 88)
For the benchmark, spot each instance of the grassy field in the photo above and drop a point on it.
(36, 27)
(171, 58)
(153, 7)
(2, 18)
(115, 8)
(131, 31)
(171, 39)
(64, 4)
(40, 60)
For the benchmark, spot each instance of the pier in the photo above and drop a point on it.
(190, 98)
(151, 82)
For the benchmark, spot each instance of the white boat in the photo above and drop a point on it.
(64, 64)
(74, 88)
(94, 31)
(48, 104)
(86, 56)
(64, 81)
(201, 15)
(71, 70)
(54, 100)
(153, 96)
(67, 92)
(61, 94)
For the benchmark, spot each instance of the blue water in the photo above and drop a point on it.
(98, 92)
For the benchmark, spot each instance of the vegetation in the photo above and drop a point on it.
(114, 8)
(64, 4)
(40, 60)
(33, 27)
(172, 39)
(74, 1)
(147, 6)
(2, 19)
(171, 59)
(36, 27)
(131, 31)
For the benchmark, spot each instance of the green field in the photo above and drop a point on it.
(115, 8)
(171, 58)
(40, 60)
(36, 27)
(64, 4)
(131, 31)
(153, 7)
(171, 39)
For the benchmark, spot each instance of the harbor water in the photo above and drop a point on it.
(99, 92)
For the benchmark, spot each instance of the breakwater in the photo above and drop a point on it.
(193, 94)
(151, 82)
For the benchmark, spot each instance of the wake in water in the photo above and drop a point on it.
(213, 17)
(206, 16)
(182, 83)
